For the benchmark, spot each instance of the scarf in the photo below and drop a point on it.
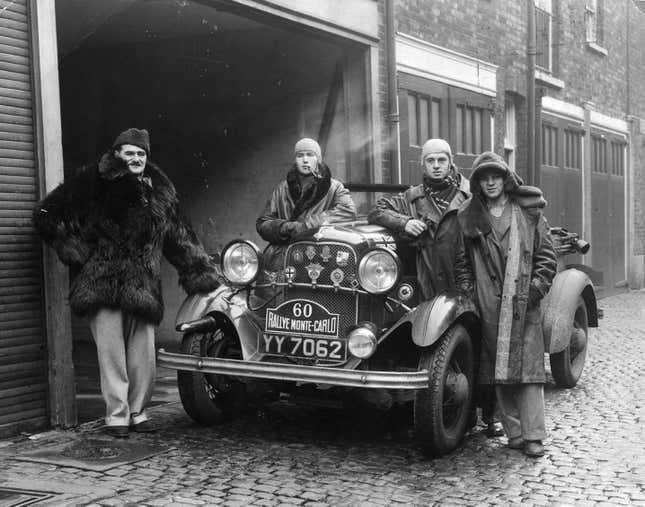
(443, 191)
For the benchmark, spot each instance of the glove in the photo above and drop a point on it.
(535, 296)
(291, 229)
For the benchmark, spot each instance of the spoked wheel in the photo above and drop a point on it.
(441, 411)
(567, 366)
(210, 398)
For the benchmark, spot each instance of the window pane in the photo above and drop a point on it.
(412, 120)
(468, 127)
(459, 123)
(434, 129)
(477, 141)
(543, 39)
(423, 120)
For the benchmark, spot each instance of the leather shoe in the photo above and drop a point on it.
(494, 429)
(144, 427)
(534, 448)
(516, 443)
(116, 431)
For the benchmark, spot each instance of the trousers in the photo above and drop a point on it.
(521, 408)
(125, 347)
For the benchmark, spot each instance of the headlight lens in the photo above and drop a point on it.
(362, 340)
(241, 262)
(378, 271)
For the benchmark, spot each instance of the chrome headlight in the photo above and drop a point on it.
(362, 340)
(241, 262)
(379, 270)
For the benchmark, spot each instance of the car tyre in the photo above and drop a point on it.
(209, 398)
(567, 365)
(442, 410)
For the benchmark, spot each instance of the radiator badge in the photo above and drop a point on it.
(310, 252)
(337, 276)
(289, 273)
(342, 258)
(297, 256)
(326, 253)
(314, 270)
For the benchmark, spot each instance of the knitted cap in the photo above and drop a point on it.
(435, 146)
(135, 137)
(307, 144)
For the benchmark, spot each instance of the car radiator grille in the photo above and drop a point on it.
(328, 258)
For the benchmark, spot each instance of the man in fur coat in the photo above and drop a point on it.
(514, 263)
(309, 197)
(111, 223)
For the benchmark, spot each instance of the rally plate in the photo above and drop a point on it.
(304, 329)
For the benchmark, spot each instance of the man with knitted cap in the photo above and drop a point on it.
(513, 264)
(426, 217)
(307, 198)
(111, 223)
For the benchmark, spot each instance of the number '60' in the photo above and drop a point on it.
(300, 310)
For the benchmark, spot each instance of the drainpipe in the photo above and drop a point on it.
(530, 92)
(394, 142)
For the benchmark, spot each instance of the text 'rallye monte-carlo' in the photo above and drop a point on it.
(343, 315)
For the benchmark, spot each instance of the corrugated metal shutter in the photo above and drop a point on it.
(23, 363)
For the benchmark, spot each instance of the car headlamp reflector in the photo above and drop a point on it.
(378, 271)
(362, 340)
(241, 262)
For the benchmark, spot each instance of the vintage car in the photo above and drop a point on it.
(344, 317)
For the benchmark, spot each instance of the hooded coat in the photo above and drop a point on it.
(512, 349)
(112, 228)
(440, 255)
(292, 209)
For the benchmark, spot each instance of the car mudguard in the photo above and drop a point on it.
(430, 319)
(559, 306)
(228, 303)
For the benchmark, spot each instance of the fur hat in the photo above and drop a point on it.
(308, 144)
(435, 146)
(135, 137)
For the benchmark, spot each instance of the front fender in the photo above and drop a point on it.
(432, 318)
(559, 307)
(226, 302)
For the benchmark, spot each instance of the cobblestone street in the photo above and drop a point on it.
(306, 456)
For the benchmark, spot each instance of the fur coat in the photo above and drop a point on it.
(112, 228)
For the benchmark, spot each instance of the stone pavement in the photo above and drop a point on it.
(305, 456)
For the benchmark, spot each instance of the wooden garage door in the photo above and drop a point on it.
(608, 209)
(23, 365)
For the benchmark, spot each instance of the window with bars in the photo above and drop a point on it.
(543, 36)
(423, 118)
(593, 21)
(469, 126)
(598, 155)
(572, 149)
(617, 159)
(549, 145)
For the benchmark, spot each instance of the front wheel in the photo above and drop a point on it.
(209, 398)
(441, 411)
(567, 365)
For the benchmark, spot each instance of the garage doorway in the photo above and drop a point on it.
(225, 95)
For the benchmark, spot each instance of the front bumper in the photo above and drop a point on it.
(295, 372)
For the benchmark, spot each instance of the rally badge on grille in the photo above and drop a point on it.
(289, 273)
(314, 270)
(310, 252)
(342, 258)
(326, 253)
(297, 256)
(337, 276)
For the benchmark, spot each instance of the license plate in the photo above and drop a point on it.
(303, 347)
(302, 328)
